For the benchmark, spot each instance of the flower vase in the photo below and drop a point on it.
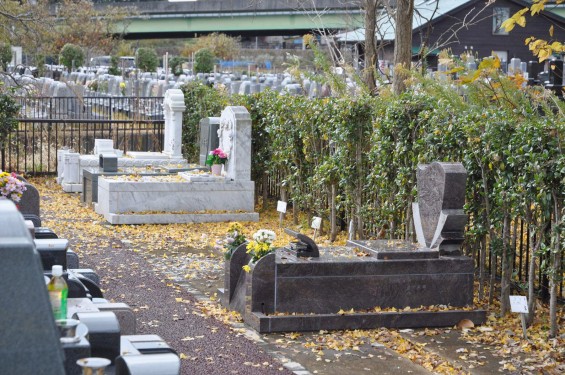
(216, 169)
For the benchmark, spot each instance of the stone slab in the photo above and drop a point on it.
(90, 181)
(303, 323)
(119, 219)
(147, 155)
(394, 249)
(119, 197)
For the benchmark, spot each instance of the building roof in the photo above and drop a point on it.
(425, 11)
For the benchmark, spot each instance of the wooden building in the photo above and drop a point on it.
(464, 26)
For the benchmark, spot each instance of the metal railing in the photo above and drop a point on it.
(47, 124)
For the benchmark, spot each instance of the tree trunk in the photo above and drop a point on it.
(506, 268)
(402, 44)
(534, 247)
(333, 214)
(482, 265)
(265, 184)
(370, 44)
(555, 267)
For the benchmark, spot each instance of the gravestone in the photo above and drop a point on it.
(235, 120)
(515, 66)
(29, 205)
(71, 172)
(234, 87)
(208, 137)
(103, 146)
(29, 339)
(439, 218)
(245, 88)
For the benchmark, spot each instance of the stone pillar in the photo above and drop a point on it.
(71, 172)
(173, 109)
(61, 164)
(235, 140)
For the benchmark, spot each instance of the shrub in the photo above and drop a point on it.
(114, 68)
(146, 59)
(203, 61)
(8, 112)
(71, 56)
(5, 55)
(175, 65)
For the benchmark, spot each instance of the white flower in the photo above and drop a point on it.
(265, 235)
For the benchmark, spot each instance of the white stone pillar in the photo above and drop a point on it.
(173, 108)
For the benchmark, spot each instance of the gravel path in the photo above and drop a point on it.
(129, 274)
(209, 346)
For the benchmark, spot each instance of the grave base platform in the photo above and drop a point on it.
(158, 200)
(282, 292)
(406, 319)
(179, 218)
(71, 188)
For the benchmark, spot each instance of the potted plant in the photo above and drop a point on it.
(216, 158)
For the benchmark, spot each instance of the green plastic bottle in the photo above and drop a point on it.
(58, 291)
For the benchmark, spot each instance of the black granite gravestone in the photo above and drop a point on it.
(286, 292)
(29, 205)
(439, 218)
(29, 339)
(208, 137)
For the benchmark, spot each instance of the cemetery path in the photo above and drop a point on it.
(205, 344)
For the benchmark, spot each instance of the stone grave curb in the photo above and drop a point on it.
(179, 218)
(404, 319)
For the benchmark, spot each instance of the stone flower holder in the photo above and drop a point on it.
(93, 365)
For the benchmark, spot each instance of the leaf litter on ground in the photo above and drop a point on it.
(184, 253)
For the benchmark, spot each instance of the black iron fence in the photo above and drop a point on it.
(48, 124)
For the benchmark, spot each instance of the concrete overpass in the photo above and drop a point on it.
(163, 19)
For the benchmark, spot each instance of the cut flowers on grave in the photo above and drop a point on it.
(234, 238)
(216, 156)
(261, 245)
(11, 187)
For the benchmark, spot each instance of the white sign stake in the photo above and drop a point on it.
(281, 207)
(316, 223)
(519, 304)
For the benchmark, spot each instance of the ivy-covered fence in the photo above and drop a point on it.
(355, 159)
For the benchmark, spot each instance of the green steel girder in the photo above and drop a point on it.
(244, 22)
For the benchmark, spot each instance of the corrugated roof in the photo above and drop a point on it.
(424, 12)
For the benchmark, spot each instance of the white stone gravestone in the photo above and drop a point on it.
(235, 120)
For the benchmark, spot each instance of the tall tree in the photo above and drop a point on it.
(43, 28)
(371, 7)
(402, 43)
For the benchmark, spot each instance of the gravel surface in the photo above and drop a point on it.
(162, 307)
(210, 346)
